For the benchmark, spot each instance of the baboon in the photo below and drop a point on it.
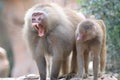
(91, 38)
(49, 30)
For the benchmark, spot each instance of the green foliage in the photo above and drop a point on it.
(109, 11)
(79, 1)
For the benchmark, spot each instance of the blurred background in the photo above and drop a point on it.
(11, 23)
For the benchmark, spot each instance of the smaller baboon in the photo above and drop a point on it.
(91, 38)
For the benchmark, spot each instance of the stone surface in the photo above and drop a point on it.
(36, 77)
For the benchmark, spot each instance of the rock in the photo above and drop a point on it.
(29, 77)
(36, 77)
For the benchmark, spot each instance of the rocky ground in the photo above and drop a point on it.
(36, 77)
(104, 77)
